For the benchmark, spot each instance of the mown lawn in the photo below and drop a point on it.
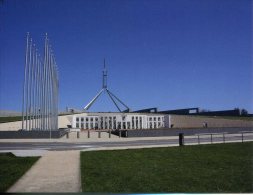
(216, 168)
(10, 119)
(12, 168)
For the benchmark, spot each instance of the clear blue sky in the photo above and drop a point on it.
(160, 53)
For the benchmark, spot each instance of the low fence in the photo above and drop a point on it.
(222, 137)
(175, 132)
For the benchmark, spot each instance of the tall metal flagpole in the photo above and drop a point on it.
(40, 94)
(36, 91)
(40, 89)
(24, 86)
(29, 87)
(47, 83)
(32, 87)
(44, 88)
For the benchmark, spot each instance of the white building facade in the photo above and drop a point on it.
(118, 120)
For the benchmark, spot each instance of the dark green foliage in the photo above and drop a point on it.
(12, 168)
(213, 168)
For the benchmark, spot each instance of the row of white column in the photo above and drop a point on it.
(115, 124)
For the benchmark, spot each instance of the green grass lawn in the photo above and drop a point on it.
(10, 119)
(12, 168)
(217, 168)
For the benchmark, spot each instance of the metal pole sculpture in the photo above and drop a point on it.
(114, 98)
(40, 90)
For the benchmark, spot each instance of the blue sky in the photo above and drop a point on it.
(168, 54)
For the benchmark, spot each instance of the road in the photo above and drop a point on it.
(123, 143)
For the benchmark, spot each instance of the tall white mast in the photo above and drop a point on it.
(110, 94)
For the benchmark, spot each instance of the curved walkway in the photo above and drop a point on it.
(55, 171)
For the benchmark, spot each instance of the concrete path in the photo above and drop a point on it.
(55, 171)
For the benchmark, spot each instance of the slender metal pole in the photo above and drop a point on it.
(47, 87)
(44, 87)
(118, 99)
(41, 94)
(29, 87)
(25, 80)
(37, 92)
(33, 87)
(40, 89)
(113, 100)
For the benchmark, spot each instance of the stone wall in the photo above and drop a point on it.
(182, 121)
(32, 134)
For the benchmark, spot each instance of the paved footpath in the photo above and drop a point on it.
(55, 171)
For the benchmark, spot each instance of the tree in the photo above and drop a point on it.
(244, 112)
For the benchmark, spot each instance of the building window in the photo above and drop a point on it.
(82, 119)
(77, 118)
(154, 118)
(91, 119)
(150, 118)
(77, 125)
(159, 118)
(119, 125)
(87, 126)
(87, 119)
(82, 125)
